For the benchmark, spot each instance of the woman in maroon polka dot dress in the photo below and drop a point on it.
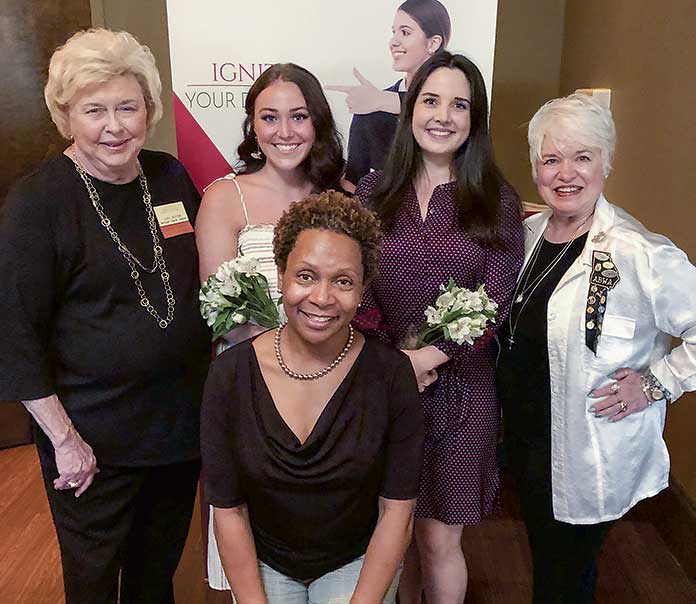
(447, 213)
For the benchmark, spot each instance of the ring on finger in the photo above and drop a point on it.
(73, 484)
(623, 406)
(615, 387)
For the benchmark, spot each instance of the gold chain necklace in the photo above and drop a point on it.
(317, 374)
(158, 261)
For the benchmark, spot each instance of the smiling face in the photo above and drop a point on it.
(570, 177)
(409, 45)
(108, 122)
(322, 285)
(442, 113)
(283, 125)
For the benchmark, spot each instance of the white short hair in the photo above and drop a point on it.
(578, 117)
(95, 56)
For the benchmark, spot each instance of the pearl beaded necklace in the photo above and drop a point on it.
(317, 374)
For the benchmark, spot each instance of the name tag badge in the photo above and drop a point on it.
(172, 219)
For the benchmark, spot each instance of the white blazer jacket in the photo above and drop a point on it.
(601, 469)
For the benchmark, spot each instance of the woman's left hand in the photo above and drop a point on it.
(425, 362)
(621, 398)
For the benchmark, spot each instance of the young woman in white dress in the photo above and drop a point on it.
(291, 148)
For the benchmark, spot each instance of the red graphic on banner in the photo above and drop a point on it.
(197, 152)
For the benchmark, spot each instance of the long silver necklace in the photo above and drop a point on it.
(158, 261)
(317, 374)
(526, 292)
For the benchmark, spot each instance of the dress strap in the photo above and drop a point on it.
(241, 199)
(233, 177)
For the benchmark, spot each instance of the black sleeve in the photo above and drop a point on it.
(222, 482)
(28, 295)
(359, 147)
(405, 441)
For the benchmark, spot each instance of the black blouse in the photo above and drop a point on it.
(523, 369)
(312, 506)
(71, 319)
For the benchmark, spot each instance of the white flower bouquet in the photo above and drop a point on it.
(238, 293)
(459, 315)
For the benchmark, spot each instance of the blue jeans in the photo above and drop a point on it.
(336, 587)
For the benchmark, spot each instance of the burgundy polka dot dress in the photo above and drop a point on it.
(459, 484)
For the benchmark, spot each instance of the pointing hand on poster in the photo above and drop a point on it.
(366, 97)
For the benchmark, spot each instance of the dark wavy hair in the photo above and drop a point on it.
(432, 17)
(330, 211)
(324, 165)
(478, 179)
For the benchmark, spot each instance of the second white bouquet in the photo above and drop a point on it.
(459, 315)
(238, 293)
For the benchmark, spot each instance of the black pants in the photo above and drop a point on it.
(563, 555)
(132, 521)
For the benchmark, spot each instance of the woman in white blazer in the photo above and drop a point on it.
(586, 368)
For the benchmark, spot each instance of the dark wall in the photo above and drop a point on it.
(526, 73)
(29, 33)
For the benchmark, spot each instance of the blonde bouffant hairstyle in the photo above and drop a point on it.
(95, 56)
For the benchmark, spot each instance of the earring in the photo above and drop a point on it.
(258, 154)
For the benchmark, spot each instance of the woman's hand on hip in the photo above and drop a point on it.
(76, 464)
(425, 361)
(620, 398)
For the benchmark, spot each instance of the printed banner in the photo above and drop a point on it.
(219, 48)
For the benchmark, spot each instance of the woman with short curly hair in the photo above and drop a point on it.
(330, 211)
(312, 434)
(291, 148)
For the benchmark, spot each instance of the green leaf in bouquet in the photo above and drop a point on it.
(219, 325)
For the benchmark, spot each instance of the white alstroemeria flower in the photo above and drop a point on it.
(462, 303)
(475, 302)
(222, 300)
(433, 316)
(445, 300)
(238, 318)
(249, 265)
(230, 287)
(210, 314)
(460, 330)
(225, 271)
(477, 322)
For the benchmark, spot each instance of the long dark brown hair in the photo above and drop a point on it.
(324, 164)
(478, 179)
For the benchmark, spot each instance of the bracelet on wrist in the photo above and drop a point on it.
(653, 389)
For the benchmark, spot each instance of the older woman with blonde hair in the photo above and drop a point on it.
(103, 341)
(587, 369)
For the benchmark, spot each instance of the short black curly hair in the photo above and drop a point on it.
(331, 211)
